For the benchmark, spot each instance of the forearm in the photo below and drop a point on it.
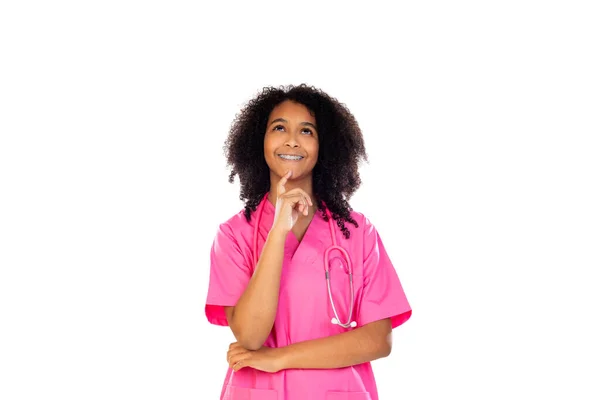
(254, 314)
(358, 346)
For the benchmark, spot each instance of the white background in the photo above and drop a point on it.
(481, 122)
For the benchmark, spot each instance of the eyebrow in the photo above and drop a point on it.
(284, 120)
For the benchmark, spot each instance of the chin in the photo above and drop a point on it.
(280, 172)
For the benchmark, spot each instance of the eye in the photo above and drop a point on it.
(305, 131)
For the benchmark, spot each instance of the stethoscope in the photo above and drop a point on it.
(336, 319)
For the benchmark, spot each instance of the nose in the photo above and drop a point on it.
(291, 142)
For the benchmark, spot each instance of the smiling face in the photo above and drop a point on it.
(291, 141)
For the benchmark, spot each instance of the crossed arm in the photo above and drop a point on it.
(357, 346)
(367, 343)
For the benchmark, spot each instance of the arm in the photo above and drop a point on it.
(252, 318)
(367, 343)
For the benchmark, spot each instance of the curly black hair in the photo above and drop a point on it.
(341, 149)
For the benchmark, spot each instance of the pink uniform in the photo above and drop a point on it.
(304, 311)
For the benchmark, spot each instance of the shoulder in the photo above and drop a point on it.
(237, 220)
(365, 226)
(234, 226)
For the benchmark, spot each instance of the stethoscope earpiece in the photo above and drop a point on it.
(336, 322)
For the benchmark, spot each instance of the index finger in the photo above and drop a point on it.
(282, 182)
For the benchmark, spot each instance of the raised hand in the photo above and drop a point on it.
(289, 205)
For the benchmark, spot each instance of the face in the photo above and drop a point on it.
(291, 140)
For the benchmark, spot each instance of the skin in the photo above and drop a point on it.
(291, 129)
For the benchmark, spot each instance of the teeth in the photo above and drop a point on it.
(287, 157)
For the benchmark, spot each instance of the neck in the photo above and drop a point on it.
(303, 183)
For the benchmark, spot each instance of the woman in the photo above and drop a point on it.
(296, 152)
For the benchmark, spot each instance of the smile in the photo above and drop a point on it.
(290, 157)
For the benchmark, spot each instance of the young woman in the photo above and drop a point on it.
(303, 281)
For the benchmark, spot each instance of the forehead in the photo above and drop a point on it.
(291, 110)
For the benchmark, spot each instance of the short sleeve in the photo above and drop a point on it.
(229, 275)
(383, 295)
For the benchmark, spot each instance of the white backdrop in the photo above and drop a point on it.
(481, 122)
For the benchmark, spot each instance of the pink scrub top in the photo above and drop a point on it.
(304, 311)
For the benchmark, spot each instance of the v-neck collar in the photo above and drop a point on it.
(292, 244)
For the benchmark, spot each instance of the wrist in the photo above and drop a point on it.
(282, 356)
(277, 234)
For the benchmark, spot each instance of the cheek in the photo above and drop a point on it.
(271, 143)
(268, 147)
(314, 151)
